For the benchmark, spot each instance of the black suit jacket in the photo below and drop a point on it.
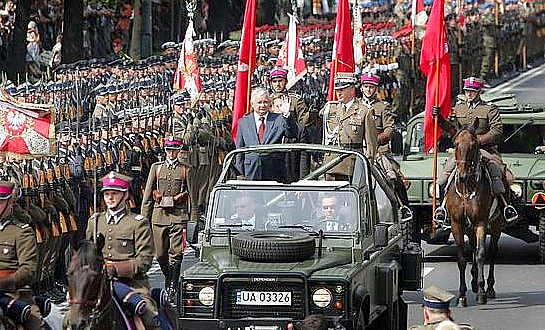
(255, 166)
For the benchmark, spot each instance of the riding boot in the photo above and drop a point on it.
(175, 269)
(440, 215)
(498, 189)
(165, 270)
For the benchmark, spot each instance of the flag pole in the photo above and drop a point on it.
(248, 93)
(435, 129)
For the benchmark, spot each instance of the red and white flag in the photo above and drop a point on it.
(26, 130)
(358, 36)
(342, 59)
(418, 14)
(291, 55)
(246, 66)
(187, 75)
(435, 65)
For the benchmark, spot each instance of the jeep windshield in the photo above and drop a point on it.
(264, 209)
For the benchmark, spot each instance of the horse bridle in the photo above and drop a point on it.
(475, 171)
(96, 313)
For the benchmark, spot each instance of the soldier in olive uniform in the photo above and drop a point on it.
(298, 107)
(436, 309)
(349, 123)
(385, 126)
(19, 257)
(486, 120)
(128, 252)
(166, 204)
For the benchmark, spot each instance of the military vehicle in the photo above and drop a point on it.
(273, 254)
(522, 149)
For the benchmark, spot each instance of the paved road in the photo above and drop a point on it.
(528, 86)
(520, 287)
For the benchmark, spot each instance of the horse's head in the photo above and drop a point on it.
(86, 283)
(467, 153)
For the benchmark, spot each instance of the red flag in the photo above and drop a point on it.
(291, 55)
(187, 75)
(435, 65)
(342, 59)
(246, 66)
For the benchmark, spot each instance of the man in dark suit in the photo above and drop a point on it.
(263, 127)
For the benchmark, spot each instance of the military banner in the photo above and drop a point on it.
(291, 55)
(26, 130)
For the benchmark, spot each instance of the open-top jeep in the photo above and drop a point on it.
(275, 253)
(522, 149)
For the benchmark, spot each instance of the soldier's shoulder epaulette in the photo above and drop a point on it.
(139, 217)
(94, 215)
(460, 102)
(465, 326)
(22, 225)
(158, 163)
(295, 95)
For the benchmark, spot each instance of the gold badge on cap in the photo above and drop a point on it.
(6, 251)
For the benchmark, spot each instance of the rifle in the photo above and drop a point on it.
(52, 187)
(42, 189)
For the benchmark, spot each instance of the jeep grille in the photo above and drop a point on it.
(231, 310)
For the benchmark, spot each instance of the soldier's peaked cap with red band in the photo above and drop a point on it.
(278, 73)
(116, 181)
(370, 79)
(173, 143)
(473, 84)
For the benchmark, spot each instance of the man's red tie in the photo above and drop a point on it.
(261, 130)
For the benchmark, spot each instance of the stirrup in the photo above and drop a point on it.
(405, 212)
(510, 213)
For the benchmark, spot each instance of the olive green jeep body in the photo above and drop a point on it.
(291, 258)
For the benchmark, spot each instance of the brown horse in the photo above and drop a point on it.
(91, 301)
(469, 202)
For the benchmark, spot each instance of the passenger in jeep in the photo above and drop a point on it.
(245, 214)
(332, 218)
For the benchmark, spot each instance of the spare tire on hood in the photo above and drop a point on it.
(275, 246)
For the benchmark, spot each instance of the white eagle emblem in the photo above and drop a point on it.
(15, 120)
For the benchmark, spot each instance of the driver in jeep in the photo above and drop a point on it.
(485, 118)
(332, 218)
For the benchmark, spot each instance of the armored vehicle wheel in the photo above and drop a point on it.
(273, 246)
(542, 237)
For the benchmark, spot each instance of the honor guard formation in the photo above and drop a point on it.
(137, 158)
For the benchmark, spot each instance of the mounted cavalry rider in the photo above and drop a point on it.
(19, 258)
(385, 125)
(486, 120)
(128, 252)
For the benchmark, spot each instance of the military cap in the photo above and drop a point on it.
(436, 298)
(116, 181)
(370, 79)
(473, 84)
(344, 80)
(173, 143)
(7, 189)
(278, 73)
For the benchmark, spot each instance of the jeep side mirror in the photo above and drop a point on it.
(381, 234)
(192, 232)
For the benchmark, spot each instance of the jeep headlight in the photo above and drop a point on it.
(322, 297)
(517, 189)
(206, 296)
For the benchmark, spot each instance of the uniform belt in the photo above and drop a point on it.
(6, 272)
(352, 145)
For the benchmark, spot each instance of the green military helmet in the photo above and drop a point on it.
(436, 298)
